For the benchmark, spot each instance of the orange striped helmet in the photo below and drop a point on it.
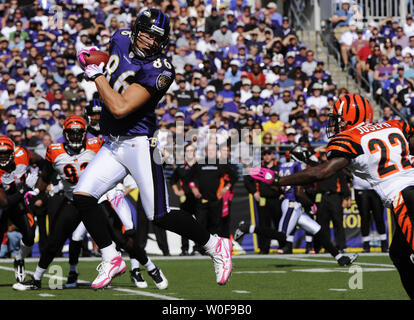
(6, 151)
(350, 110)
(74, 131)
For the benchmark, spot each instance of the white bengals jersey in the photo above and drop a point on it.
(379, 154)
(10, 180)
(71, 166)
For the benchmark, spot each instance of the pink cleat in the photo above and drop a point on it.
(221, 256)
(107, 271)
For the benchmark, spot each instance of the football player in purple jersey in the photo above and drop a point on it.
(135, 78)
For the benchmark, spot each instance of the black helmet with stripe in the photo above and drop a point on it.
(150, 33)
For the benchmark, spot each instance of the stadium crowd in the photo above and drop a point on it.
(239, 65)
(381, 53)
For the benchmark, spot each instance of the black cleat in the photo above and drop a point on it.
(159, 279)
(136, 277)
(72, 281)
(347, 260)
(286, 249)
(31, 284)
(19, 270)
(309, 248)
(366, 247)
(242, 229)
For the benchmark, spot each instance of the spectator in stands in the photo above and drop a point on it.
(372, 61)
(310, 64)
(409, 25)
(213, 21)
(284, 82)
(275, 16)
(234, 74)
(346, 40)
(388, 114)
(341, 18)
(410, 48)
(397, 83)
(382, 75)
(56, 130)
(284, 106)
(256, 76)
(405, 101)
(401, 39)
(223, 36)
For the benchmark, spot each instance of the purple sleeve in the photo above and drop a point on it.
(154, 77)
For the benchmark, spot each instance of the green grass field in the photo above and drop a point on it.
(271, 277)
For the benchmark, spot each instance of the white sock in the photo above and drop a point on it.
(109, 252)
(73, 268)
(211, 243)
(38, 275)
(149, 265)
(338, 256)
(134, 263)
(251, 228)
(383, 237)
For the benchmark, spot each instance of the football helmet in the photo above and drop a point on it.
(300, 153)
(6, 151)
(349, 111)
(74, 131)
(95, 106)
(150, 24)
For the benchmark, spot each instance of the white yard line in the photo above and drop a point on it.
(136, 292)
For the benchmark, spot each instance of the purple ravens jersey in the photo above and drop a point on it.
(155, 73)
(287, 169)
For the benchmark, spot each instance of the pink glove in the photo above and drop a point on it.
(314, 209)
(29, 195)
(82, 52)
(263, 174)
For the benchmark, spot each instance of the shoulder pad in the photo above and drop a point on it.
(21, 156)
(53, 151)
(346, 145)
(94, 144)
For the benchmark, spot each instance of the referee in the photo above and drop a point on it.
(368, 202)
(332, 196)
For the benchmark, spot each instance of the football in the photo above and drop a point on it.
(96, 57)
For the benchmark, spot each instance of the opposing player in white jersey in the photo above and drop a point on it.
(137, 76)
(70, 159)
(377, 153)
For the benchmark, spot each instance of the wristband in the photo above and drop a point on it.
(192, 185)
(96, 76)
(36, 191)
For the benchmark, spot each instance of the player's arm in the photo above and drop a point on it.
(120, 105)
(45, 175)
(313, 174)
